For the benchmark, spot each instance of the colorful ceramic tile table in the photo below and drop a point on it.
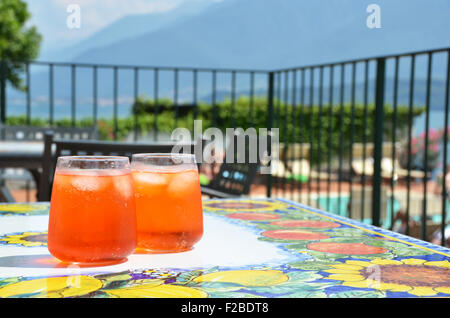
(251, 248)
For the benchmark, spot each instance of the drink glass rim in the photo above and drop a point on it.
(161, 159)
(163, 155)
(94, 158)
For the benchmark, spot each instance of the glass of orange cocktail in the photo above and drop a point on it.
(168, 202)
(92, 211)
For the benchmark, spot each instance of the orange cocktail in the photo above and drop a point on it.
(92, 210)
(168, 202)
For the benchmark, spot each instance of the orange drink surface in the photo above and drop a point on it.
(168, 209)
(92, 216)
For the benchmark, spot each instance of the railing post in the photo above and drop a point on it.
(44, 186)
(378, 141)
(270, 91)
(2, 108)
(2, 92)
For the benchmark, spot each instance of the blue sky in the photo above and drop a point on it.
(50, 17)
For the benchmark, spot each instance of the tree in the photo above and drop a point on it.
(18, 42)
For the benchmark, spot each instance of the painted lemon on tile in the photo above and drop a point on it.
(53, 287)
(23, 209)
(245, 277)
(157, 291)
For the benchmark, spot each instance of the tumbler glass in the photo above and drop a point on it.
(168, 202)
(92, 211)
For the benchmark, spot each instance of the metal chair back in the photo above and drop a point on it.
(235, 178)
(30, 133)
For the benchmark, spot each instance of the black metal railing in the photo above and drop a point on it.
(347, 129)
(133, 83)
(325, 127)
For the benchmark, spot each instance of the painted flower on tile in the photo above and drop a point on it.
(157, 274)
(412, 275)
(26, 239)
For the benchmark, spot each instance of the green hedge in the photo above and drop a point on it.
(296, 124)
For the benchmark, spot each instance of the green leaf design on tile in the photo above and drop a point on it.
(383, 243)
(101, 294)
(311, 265)
(189, 276)
(114, 280)
(114, 276)
(301, 246)
(359, 294)
(268, 239)
(232, 295)
(117, 284)
(404, 251)
(307, 294)
(268, 227)
(10, 280)
(399, 248)
(346, 232)
(301, 276)
(217, 287)
(276, 290)
(297, 289)
(324, 257)
(302, 217)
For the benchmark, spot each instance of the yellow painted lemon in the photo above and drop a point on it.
(53, 287)
(19, 208)
(157, 291)
(245, 277)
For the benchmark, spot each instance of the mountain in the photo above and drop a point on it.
(129, 26)
(250, 34)
(268, 34)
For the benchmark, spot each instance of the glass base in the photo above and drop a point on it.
(70, 264)
(141, 250)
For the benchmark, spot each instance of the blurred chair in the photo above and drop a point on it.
(390, 167)
(294, 163)
(33, 134)
(5, 194)
(235, 179)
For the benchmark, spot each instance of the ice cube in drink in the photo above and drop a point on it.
(168, 209)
